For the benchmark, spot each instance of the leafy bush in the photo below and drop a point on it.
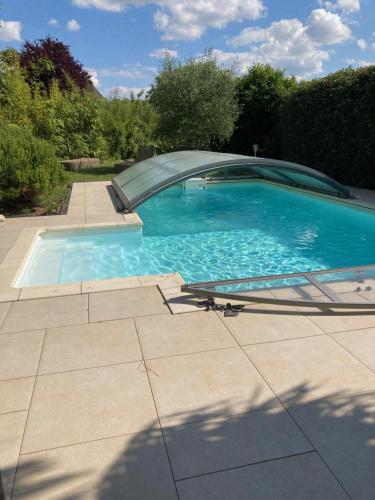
(28, 166)
(70, 121)
(261, 94)
(128, 124)
(329, 124)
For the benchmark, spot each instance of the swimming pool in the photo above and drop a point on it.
(229, 230)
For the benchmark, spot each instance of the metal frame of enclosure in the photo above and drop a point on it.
(143, 180)
(321, 288)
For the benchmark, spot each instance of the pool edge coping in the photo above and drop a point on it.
(12, 266)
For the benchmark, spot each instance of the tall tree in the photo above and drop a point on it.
(49, 59)
(196, 102)
(261, 94)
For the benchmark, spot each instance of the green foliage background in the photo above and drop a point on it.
(329, 124)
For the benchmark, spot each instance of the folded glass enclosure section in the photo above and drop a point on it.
(338, 288)
(144, 179)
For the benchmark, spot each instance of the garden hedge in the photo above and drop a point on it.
(329, 124)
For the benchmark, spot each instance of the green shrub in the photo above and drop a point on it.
(128, 124)
(28, 166)
(261, 93)
(329, 124)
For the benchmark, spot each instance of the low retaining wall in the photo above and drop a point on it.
(80, 163)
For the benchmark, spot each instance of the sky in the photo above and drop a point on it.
(122, 42)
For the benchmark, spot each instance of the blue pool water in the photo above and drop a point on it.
(225, 231)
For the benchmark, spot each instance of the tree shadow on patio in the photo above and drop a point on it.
(330, 443)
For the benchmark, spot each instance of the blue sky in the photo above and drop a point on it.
(121, 41)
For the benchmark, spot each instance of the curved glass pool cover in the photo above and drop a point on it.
(146, 178)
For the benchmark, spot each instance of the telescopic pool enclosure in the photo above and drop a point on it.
(144, 179)
(338, 288)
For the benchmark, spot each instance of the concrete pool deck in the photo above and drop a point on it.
(105, 394)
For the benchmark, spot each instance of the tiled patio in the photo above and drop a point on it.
(105, 394)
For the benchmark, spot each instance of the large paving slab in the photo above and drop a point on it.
(4, 308)
(46, 313)
(201, 386)
(11, 431)
(302, 370)
(89, 345)
(342, 430)
(20, 354)
(361, 343)
(339, 321)
(118, 304)
(167, 335)
(234, 441)
(304, 477)
(251, 328)
(74, 407)
(15, 394)
(133, 467)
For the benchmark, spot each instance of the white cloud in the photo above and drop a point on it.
(73, 25)
(10, 31)
(126, 92)
(359, 63)
(186, 19)
(289, 44)
(94, 76)
(348, 6)
(161, 53)
(362, 44)
(53, 22)
(327, 28)
(110, 5)
(130, 71)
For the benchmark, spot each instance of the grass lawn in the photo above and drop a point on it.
(51, 202)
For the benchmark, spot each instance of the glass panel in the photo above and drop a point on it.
(297, 289)
(351, 286)
(305, 180)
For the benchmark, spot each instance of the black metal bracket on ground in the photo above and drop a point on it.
(228, 309)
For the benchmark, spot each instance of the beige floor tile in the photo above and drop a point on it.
(253, 328)
(342, 431)
(15, 394)
(20, 354)
(343, 321)
(167, 335)
(84, 405)
(360, 343)
(36, 292)
(11, 431)
(297, 478)
(112, 284)
(233, 441)
(195, 387)
(126, 304)
(131, 467)
(90, 345)
(307, 369)
(46, 313)
(179, 302)
(8, 294)
(4, 308)
(152, 279)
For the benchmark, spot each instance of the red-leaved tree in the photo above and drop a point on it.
(49, 59)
